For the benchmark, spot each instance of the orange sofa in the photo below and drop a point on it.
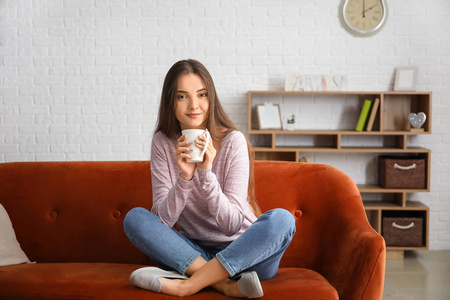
(68, 218)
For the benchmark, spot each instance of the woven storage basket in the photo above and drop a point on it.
(404, 173)
(403, 232)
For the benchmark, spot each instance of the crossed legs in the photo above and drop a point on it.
(259, 249)
(203, 273)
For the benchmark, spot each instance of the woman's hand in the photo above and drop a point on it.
(181, 154)
(210, 153)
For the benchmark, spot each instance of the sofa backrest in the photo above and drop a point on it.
(74, 211)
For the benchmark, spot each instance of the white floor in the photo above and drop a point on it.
(421, 275)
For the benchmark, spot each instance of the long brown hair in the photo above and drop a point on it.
(218, 123)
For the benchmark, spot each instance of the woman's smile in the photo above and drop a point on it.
(194, 115)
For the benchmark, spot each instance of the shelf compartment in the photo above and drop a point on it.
(374, 141)
(276, 155)
(399, 199)
(397, 106)
(295, 142)
(376, 210)
(306, 141)
(423, 214)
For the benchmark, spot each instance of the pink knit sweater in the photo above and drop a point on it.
(212, 208)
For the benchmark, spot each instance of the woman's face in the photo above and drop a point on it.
(191, 102)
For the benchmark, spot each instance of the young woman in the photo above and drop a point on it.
(221, 242)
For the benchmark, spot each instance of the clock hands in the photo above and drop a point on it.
(364, 8)
(370, 8)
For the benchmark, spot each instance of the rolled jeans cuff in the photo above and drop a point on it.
(225, 264)
(186, 266)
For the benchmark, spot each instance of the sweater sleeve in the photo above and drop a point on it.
(226, 204)
(169, 199)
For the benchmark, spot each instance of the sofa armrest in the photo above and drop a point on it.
(354, 259)
(334, 237)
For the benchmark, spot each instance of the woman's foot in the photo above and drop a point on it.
(183, 288)
(247, 286)
(176, 287)
(250, 285)
(150, 278)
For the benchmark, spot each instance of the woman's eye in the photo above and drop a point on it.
(181, 97)
(203, 95)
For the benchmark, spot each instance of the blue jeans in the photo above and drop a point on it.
(259, 248)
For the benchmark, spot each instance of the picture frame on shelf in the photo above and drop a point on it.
(406, 78)
(269, 116)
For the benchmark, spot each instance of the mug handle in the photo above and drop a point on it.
(208, 137)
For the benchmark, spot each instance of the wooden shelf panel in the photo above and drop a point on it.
(339, 92)
(335, 132)
(404, 248)
(373, 188)
(317, 92)
(384, 205)
(383, 150)
(295, 149)
(342, 149)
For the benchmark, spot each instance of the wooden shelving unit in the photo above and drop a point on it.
(391, 123)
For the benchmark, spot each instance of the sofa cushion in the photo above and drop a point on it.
(110, 281)
(10, 251)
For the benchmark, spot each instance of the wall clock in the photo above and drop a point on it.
(363, 17)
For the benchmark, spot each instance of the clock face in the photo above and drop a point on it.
(364, 16)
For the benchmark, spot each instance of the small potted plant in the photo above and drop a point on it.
(290, 123)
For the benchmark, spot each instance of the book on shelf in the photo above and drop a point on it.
(373, 114)
(364, 115)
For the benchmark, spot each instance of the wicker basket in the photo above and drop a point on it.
(404, 173)
(403, 232)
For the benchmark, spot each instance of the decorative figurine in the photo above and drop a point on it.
(417, 120)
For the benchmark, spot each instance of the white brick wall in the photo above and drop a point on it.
(80, 80)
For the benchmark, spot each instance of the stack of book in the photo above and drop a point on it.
(368, 114)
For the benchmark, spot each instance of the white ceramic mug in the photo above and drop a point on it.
(191, 136)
